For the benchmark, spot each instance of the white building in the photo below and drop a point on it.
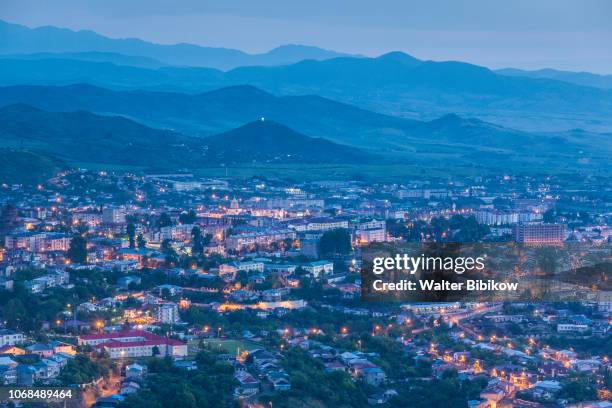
(135, 343)
(180, 232)
(168, 313)
(366, 236)
(10, 337)
(319, 268)
(247, 266)
(113, 215)
(571, 328)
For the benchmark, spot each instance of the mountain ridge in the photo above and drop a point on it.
(394, 84)
(85, 137)
(267, 141)
(22, 39)
(581, 78)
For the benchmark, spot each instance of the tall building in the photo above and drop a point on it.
(168, 313)
(113, 215)
(539, 233)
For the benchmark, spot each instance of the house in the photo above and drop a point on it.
(546, 389)
(7, 361)
(247, 381)
(61, 347)
(369, 372)
(233, 267)
(61, 358)
(381, 398)
(280, 383)
(47, 369)
(135, 371)
(260, 356)
(41, 349)
(13, 350)
(493, 394)
(8, 374)
(135, 343)
(129, 387)
(319, 268)
(572, 328)
(10, 337)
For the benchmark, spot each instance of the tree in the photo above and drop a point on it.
(81, 370)
(131, 232)
(77, 252)
(187, 217)
(549, 216)
(337, 241)
(197, 246)
(469, 230)
(141, 241)
(164, 220)
(578, 391)
(14, 312)
(397, 228)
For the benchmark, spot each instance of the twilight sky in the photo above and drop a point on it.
(562, 34)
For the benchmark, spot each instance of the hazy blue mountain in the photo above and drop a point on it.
(265, 141)
(445, 141)
(61, 71)
(91, 56)
(578, 78)
(395, 84)
(400, 85)
(84, 137)
(217, 111)
(19, 39)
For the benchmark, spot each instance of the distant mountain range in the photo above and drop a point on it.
(152, 105)
(578, 78)
(19, 39)
(192, 121)
(401, 85)
(395, 84)
(227, 108)
(90, 56)
(221, 110)
(83, 137)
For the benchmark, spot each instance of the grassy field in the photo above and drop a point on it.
(391, 172)
(380, 172)
(383, 172)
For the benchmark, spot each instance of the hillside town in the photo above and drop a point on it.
(134, 288)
